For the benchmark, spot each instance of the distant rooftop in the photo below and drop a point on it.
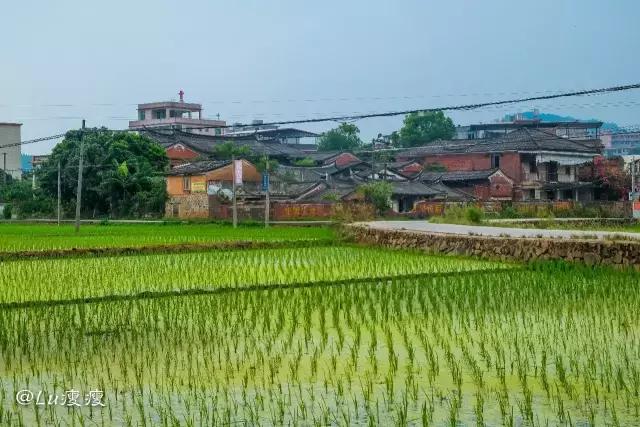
(535, 124)
(171, 104)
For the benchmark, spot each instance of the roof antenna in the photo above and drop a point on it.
(181, 93)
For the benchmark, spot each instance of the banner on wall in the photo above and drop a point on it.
(237, 172)
(197, 187)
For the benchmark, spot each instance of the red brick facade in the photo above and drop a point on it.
(510, 163)
(413, 168)
(498, 187)
(179, 154)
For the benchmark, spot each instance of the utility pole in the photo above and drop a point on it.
(633, 177)
(266, 198)
(59, 192)
(4, 168)
(79, 190)
(233, 183)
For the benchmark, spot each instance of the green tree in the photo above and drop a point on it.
(229, 149)
(263, 161)
(377, 193)
(123, 174)
(344, 137)
(306, 162)
(423, 128)
(28, 201)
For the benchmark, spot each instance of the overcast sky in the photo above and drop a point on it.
(275, 60)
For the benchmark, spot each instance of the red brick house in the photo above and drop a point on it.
(185, 147)
(179, 153)
(540, 164)
(491, 184)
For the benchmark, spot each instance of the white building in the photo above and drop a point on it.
(10, 150)
(179, 115)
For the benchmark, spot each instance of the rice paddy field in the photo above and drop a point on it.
(318, 335)
(40, 237)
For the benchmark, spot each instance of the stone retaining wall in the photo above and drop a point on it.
(591, 252)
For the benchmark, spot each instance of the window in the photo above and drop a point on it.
(495, 161)
(552, 172)
(567, 170)
(533, 167)
(218, 131)
(532, 194)
(186, 183)
(141, 115)
(159, 114)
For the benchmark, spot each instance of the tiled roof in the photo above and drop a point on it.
(451, 193)
(414, 188)
(291, 190)
(206, 144)
(278, 133)
(455, 176)
(524, 139)
(198, 167)
(307, 174)
(322, 156)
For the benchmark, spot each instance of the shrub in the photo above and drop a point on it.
(474, 215)
(509, 212)
(378, 194)
(7, 211)
(305, 162)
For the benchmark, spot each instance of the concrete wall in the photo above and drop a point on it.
(590, 252)
(10, 134)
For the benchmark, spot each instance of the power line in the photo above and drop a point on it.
(308, 100)
(433, 109)
(354, 117)
(623, 103)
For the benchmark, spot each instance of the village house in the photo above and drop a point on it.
(572, 129)
(334, 183)
(540, 164)
(339, 158)
(490, 184)
(180, 115)
(191, 187)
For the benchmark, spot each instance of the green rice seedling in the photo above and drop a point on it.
(385, 336)
(44, 237)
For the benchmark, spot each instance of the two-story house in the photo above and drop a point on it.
(542, 165)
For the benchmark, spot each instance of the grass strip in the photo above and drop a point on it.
(161, 249)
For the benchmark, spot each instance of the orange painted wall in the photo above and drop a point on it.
(175, 184)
